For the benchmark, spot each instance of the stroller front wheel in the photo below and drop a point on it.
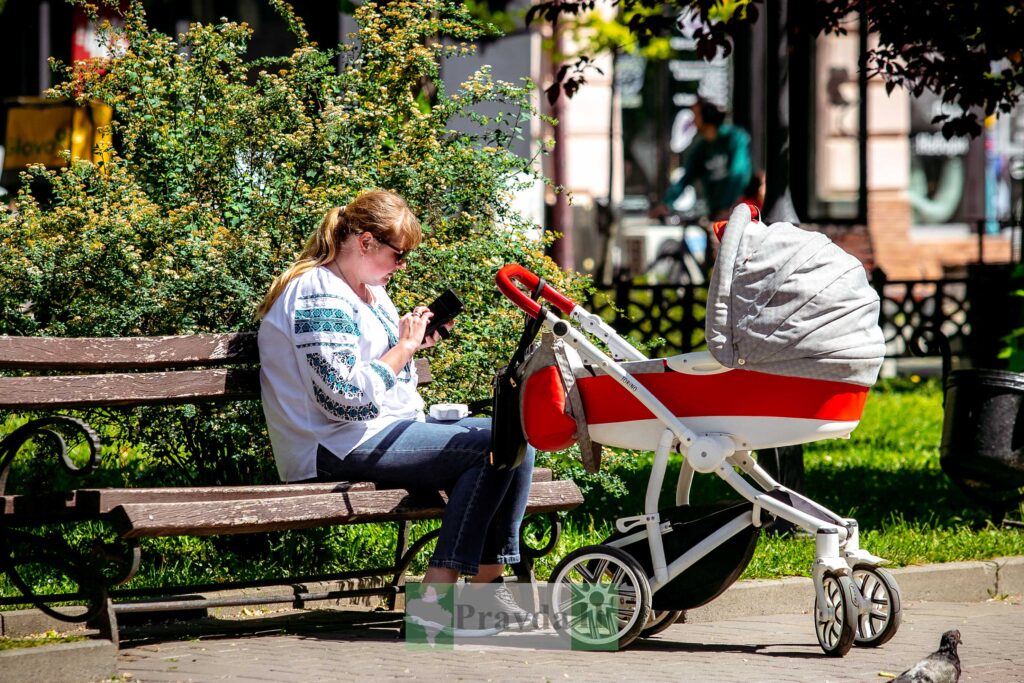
(837, 630)
(880, 621)
(600, 598)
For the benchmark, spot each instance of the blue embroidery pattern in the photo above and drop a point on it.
(379, 308)
(324, 320)
(384, 373)
(384, 320)
(331, 377)
(350, 413)
(322, 295)
(345, 356)
(323, 343)
(387, 322)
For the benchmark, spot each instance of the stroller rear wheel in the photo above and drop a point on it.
(879, 623)
(659, 621)
(837, 630)
(600, 598)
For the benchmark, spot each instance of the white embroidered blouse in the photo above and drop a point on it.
(320, 379)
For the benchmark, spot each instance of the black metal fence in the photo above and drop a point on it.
(669, 319)
(910, 306)
(662, 320)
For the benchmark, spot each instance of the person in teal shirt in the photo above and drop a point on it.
(719, 160)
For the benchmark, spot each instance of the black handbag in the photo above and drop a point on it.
(508, 443)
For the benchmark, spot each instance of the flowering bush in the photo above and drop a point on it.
(223, 165)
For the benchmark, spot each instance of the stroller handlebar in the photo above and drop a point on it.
(512, 273)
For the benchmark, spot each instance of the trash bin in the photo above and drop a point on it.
(982, 447)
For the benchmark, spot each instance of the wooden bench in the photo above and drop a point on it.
(55, 374)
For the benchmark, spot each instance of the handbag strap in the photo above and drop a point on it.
(531, 329)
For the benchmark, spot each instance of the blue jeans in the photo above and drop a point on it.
(485, 505)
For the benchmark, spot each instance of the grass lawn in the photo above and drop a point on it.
(47, 638)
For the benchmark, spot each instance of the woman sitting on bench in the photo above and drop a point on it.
(339, 390)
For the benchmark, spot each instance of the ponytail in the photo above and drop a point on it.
(321, 248)
(381, 213)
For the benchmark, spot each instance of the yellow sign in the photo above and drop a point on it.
(39, 131)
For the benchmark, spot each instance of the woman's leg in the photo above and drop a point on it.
(502, 544)
(449, 455)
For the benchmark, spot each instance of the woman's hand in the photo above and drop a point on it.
(433, 339)
(412, 327)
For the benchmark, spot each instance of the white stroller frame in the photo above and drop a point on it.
(840, 607)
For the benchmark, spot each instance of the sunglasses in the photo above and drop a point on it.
(400, 254)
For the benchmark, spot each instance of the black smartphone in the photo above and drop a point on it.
(444, 308)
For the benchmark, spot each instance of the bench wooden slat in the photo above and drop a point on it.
(102, 501)
(139, 388)
(128, 389)
(542, 474)
(45, 507)
(423, 374)
(139, 353)
(126, 353)
(136, 520)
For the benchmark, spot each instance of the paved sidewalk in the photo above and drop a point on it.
(364, 646)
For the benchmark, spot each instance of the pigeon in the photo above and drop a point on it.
(941, 666)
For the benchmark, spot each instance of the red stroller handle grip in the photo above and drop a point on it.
(515, 272)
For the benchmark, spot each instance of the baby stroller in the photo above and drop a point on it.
(794, 346)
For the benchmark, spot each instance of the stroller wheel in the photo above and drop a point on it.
(600, 598)
(659, 621)
(879, 623)
(836, 631)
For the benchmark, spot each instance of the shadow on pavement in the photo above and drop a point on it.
(339, 624)
(666, 644)
(382, 626)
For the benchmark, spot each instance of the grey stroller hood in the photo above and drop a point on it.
(786, 301)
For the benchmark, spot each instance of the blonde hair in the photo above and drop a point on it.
(383, 214)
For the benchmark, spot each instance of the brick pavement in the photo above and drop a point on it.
(353, 646)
